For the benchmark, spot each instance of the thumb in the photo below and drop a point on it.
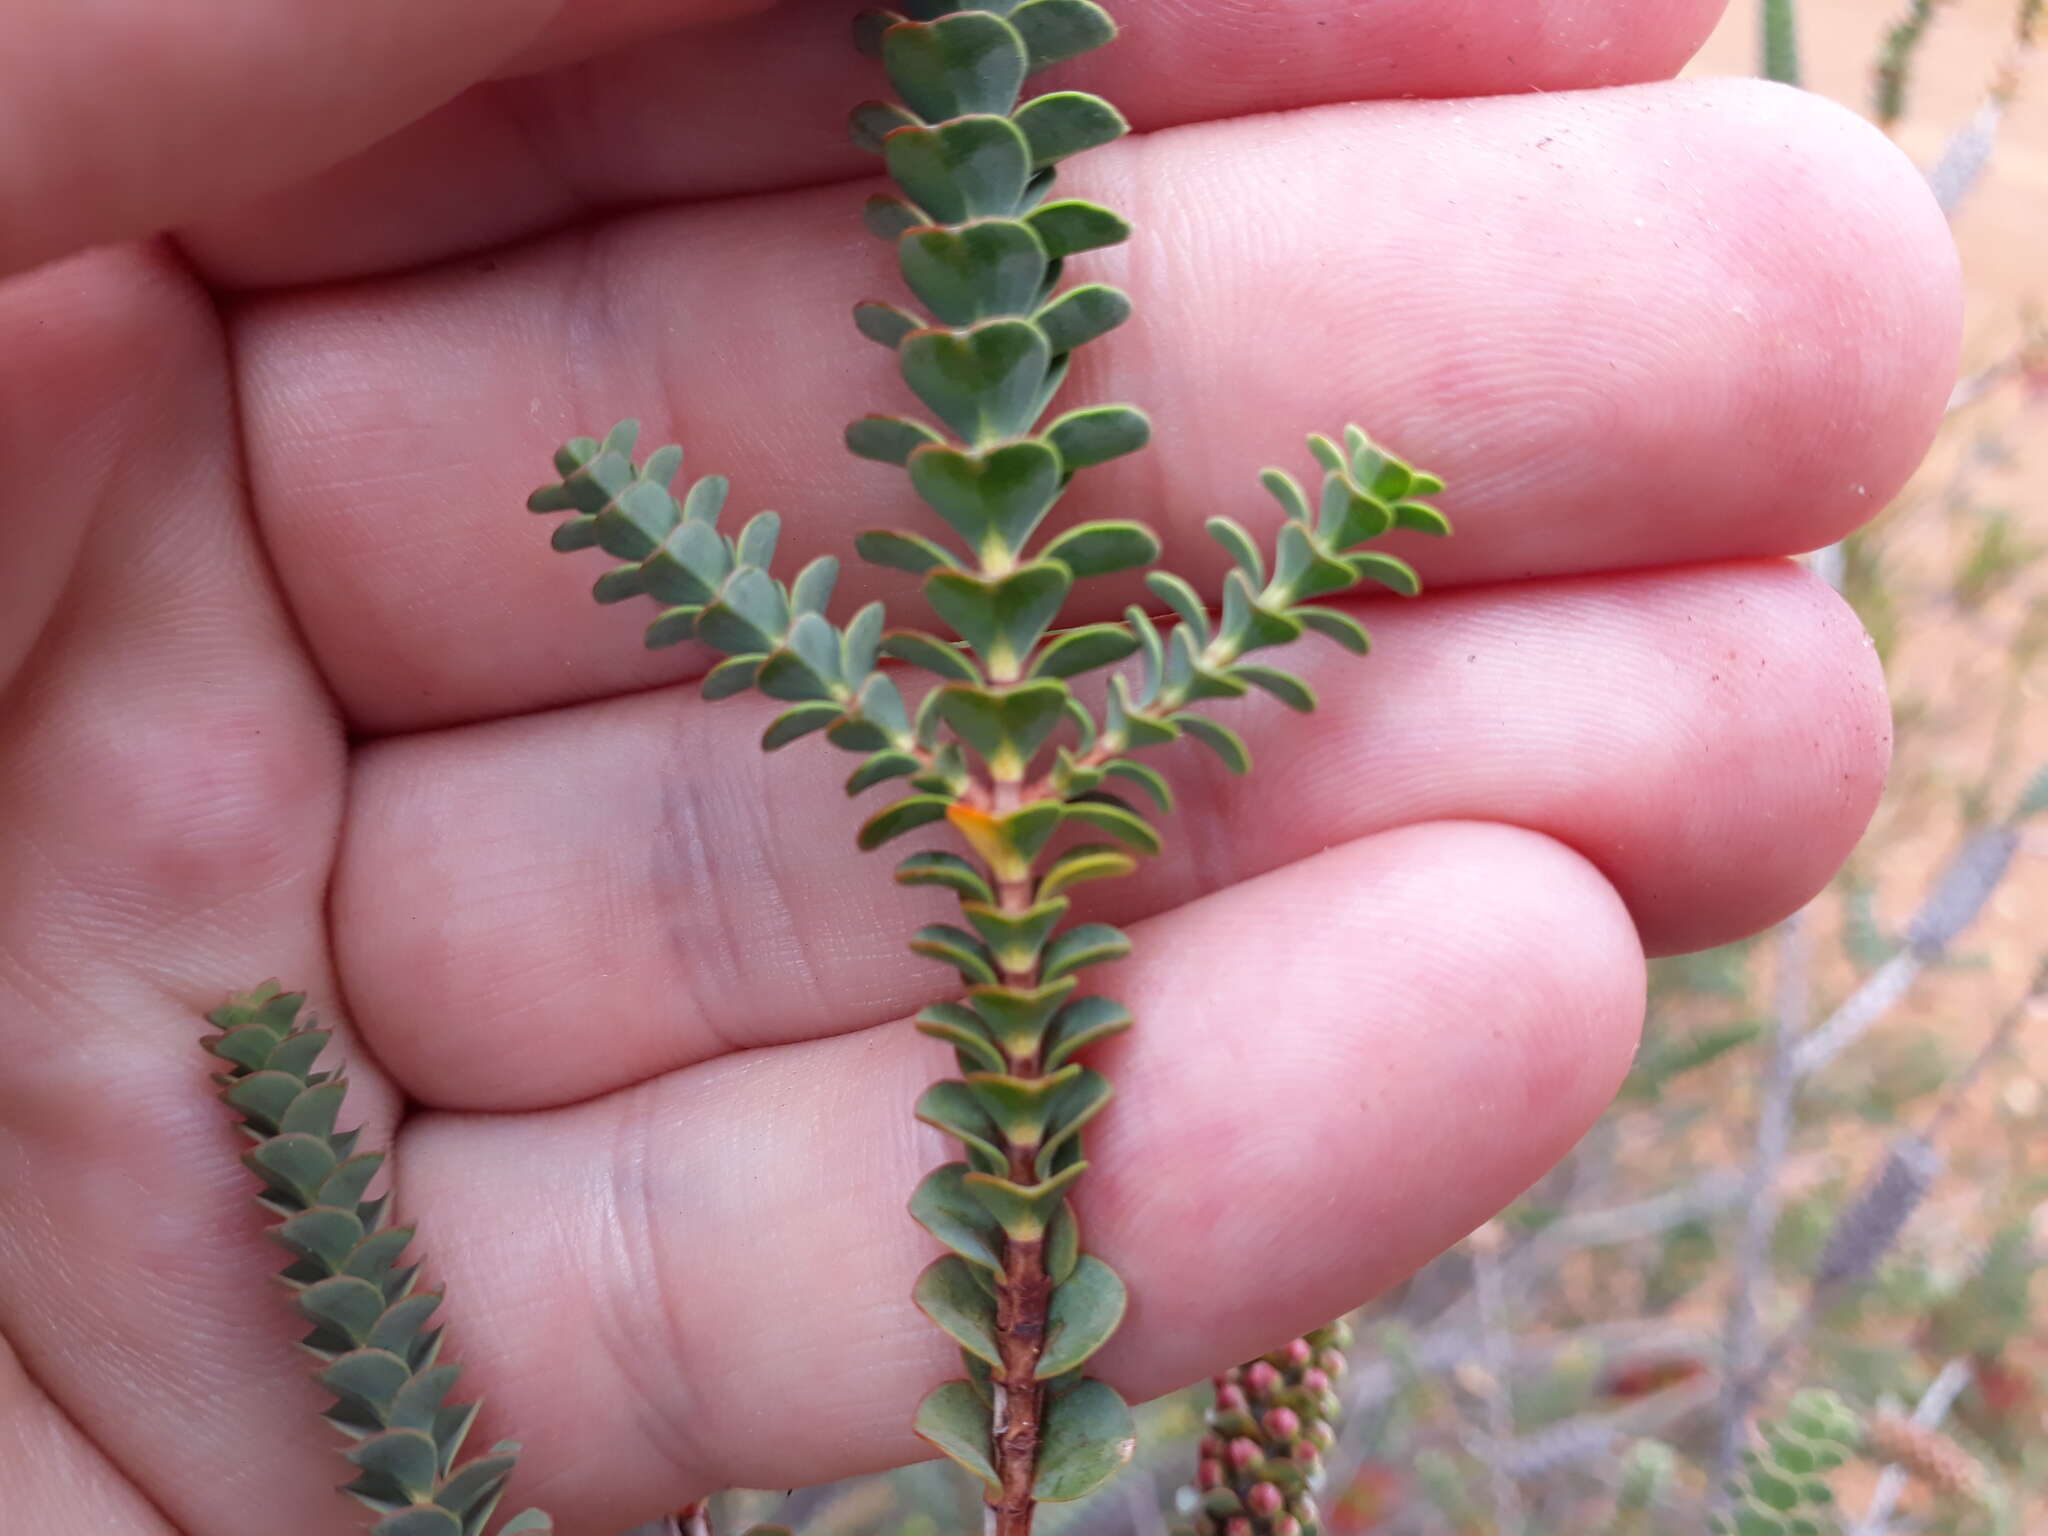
(128, 116)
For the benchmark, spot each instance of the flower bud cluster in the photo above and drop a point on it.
(1269, 1428)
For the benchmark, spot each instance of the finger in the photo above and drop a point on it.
(638, 873)
(57, 1485)
(772, 92)
(170, 783)
(84, 164)
(723, 1298)
(1637, 368)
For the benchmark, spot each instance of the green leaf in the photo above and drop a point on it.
(888, 217)
(875, 721)
(1388, 571)
(734, 675)
(870, 124)
(1080, 315)
(884, 323)
(952, 1107)
(904, 816)
(950, 1296)
(944, 1208)
(948, 869)
(1098, 434)
(1069, 227)
(1085, 1022)
(932, 654)
(1085, 1311)
(1083, 945)
(1002, 620)
(1089, 1437)
(1081, 1098)
(1089, 861)
(294, 1165)
(1015, 938)
(1183, 600)
(1022, 1209)
(1021, 1107)
(402, 1461)
(1238, 544)
(1340, 627)
(531, 1523)
(419, 1520)
(1124, 824)
(1083, 650)
(961, 1028)
(323, 1234)
(1301, 570)
(794, 724)
(982, 383)
(1149, 779)
(1220, 739)
(368, 1379)
(1054, 30)
(902, 551)
(1006, 728)
(1017, 1017)
(956, 1421)
(1349, 516)
(478, 1482)
(955, 947)
(1284, 686)
(970, 168)
(993, 500)
(967, 63)
(990, 269)
(881, 768)
(749, 617)
(347, 1304)
(888, 439)
(1097, 549)
(1419, 517)
(1065, 123)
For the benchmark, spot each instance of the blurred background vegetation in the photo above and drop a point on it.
(1830, 1169)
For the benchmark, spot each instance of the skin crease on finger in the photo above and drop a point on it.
(722, 1294)
(1619, 350)
(531, 154)
(1712, 740)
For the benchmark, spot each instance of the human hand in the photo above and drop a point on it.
(293, 689)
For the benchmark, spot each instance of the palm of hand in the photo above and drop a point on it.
(292, 690)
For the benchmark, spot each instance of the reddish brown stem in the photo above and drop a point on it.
(1022, 1298)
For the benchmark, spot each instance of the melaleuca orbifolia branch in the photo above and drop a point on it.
(370, 1326)
(1000, 748)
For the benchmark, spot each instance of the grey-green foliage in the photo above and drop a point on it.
(370, 1327)
(1782, 1488)
(1001, 747)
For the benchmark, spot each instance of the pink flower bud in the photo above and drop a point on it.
(1212, 1445)
(1260, 1378)
(1245, 1454)
(1323, 1433)
(1209, 1474)
(1237, 1525)
(1265, 1500)
(1333, 1362)
(1230, 1398)
(1315, 1380)
(1286, 1525)
(1297, 1354)
(1282, 1423)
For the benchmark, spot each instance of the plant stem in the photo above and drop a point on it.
(1781, 41)
(1773, 1138)
(1022, 1298)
